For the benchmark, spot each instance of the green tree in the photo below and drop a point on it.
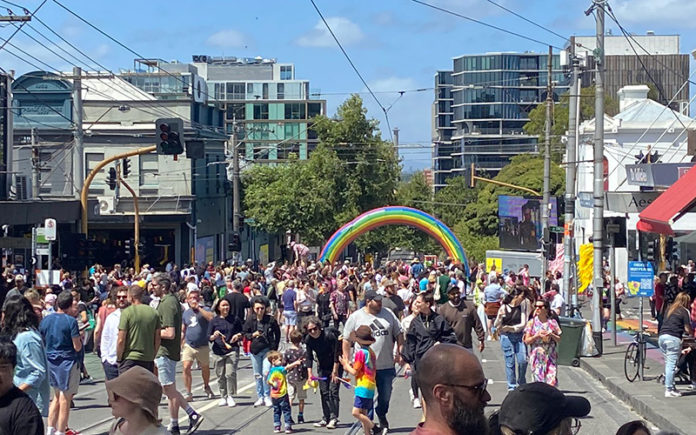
(451, 200)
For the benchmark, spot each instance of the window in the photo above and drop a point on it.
(91, 161)
(149, 170)
(286, 72)
(313, 109)
(250, 89)
(295, 111)
(235, 91)
(260, 111)
(265, 91)
(236, 110)
(281, 91)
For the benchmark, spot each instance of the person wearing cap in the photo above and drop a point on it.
(462, 317)
(393, 301)
(134, 397)
(363, 368)
(539, 408)
(387, 332)
(454, 389)
(195, 331)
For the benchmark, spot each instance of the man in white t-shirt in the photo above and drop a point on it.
(387, 331)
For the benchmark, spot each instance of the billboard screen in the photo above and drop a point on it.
(519, 222)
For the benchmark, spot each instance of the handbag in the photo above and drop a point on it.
(492, 308)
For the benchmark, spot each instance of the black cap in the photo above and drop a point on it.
(539, 407)
(372, 295)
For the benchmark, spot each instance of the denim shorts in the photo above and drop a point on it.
(290, 318)
(166, 370)
(363, 403)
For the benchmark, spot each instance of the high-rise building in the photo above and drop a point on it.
(481, 106)
(664, 67)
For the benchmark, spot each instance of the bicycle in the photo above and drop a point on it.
(634, 358)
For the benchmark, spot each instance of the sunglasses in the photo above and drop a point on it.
(540, 306)
(479, 389)
(313, 329)
(121, 297)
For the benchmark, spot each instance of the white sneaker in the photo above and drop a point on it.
(222, 402)
(332, 424)
(267, 401)
(692, 387)
(258, 402)
(672, 393)
(416, 403)
(230, 402)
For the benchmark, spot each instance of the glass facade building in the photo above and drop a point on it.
(481, 106)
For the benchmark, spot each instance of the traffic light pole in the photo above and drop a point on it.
(547, 169)
(93, 173)
(136, 238)
(236, 205)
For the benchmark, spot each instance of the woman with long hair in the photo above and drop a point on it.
(510, 322)
(676, 321)
(21, 324)
(541, 335)
(225, 332)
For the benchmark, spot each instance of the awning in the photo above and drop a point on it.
(659, 216)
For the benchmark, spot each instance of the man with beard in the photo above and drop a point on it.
(109, 335)
(462, 317)
(454, 390)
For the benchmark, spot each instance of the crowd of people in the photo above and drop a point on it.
(302, 325)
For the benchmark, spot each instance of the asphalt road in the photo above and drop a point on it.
(93, 415)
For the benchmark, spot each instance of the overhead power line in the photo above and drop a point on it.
(565, 38)
(474, 20)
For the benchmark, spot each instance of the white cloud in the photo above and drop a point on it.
(345, 30)
(671, 13)
(228, 38)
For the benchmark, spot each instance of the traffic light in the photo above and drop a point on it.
(672, 251)
(651, 250)
(127, 246)
(126, 167)
(111, 179)
(170, 132)
(549, 244)
(235, 243)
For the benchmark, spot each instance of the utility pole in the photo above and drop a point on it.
(35, 157)
(547, 168)
(136, 229)
(598, 191)
(396, 139)
(568, 230)
(78, 169)
(236, 206)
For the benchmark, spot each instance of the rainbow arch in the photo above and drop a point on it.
(394, 215)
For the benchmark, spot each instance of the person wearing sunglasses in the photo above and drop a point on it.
(540, 409)
(454, 389)
(541, 335)
(109, 333)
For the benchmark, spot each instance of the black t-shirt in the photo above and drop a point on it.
(674, 325)
(395, 304)
(19, 415)
(238, 304)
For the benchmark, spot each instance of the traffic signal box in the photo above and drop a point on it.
(170, 132)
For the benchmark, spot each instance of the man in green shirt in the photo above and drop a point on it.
(169, 353)
(138, 333)
(443, 281)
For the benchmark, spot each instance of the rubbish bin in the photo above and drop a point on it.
(568, 347)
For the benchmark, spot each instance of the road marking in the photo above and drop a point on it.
(212, 404)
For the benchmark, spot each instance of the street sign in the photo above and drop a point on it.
(555, 229)
(50, 229)
(641, 279)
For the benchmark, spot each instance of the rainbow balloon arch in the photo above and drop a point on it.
(394, 215)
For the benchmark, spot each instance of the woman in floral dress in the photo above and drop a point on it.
(541, 335)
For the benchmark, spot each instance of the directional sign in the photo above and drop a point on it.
(50, 229)
(641, 279)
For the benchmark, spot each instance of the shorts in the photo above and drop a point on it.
(296, 390)
(73, 381)
(126, 364)
(200, 354)
(166, 370)
(363, 403)
(290, 318)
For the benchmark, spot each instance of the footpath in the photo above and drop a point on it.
(646, 396)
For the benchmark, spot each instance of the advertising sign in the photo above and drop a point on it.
(519, 222)
(641, 279)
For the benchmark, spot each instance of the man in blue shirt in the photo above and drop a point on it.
(195, 330)
(289, 309)
(62, 338)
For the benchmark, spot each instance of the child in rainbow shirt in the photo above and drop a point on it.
(277, 379)
(364, 368)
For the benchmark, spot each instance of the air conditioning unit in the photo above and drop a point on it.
(107, 205)
(22, 187)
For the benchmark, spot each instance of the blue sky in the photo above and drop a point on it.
(396, 44)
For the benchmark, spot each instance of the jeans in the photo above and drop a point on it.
(329, 395)
(226, 371)
(282, 405)
(514, 351)
(671, 347)
(261, 366)
(384, 381)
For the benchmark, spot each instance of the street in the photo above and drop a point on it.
(94, 416)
